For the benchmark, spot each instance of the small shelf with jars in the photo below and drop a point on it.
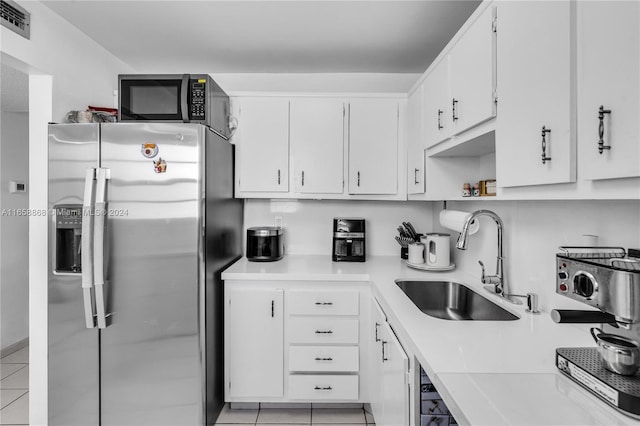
(464, 172)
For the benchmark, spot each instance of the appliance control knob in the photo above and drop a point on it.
(563, 288)
(584, 285)
(563, 275)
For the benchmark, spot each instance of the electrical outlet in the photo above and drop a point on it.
(279, 221)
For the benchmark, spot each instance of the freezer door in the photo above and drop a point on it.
(73, 348)
(150, 349)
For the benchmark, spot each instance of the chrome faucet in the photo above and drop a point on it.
(497, 280)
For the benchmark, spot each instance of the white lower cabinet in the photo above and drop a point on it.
(314, 353)
(390, 373)
(254, 335)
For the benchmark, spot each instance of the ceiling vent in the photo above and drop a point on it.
(15, 18)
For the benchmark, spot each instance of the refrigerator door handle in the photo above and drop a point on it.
(98, 244)
(86, 254)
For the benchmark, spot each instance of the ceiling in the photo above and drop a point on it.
(296, 36)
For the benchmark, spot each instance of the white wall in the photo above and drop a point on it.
(83, 72)
(68, 71)
(14, 274)
(308, 223)
(321, 82)
(534, 230)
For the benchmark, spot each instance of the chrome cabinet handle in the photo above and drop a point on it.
(377, 339)
(323, 388)
(415, 176)
(324, 303)
(278, 176)
(358, 178)
(440, 112)
(303, 178)
(454, 110)
(86, 254)
(601, 113)
(273, 308)
(324, 359)
(324, 332)
(544, 144)
(98, 245)
(384, 357)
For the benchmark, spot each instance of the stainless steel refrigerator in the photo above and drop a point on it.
(143, 220)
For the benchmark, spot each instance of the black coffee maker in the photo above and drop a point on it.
(348, 240)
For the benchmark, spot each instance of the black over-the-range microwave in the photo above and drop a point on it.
(185, 98)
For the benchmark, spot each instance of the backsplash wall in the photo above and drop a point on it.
(308, 223)
(533, 230)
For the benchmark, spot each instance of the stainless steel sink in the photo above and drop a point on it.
(452, 301)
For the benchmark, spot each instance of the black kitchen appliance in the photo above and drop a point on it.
(183, 98)
(349, 243)
(606, 278)
(265, 243)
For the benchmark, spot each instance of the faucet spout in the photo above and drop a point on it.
(498, 280)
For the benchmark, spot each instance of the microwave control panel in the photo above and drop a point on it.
(198, 102)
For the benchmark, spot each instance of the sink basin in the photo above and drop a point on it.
(452, 301)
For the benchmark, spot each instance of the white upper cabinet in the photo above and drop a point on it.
(437, 104)
(263, 145)
(317, 145)
(608, 89)
(534, 140)
(471, 68)
(373, 146)
(415, 143)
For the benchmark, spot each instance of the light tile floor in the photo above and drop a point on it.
(14, 388)
(295, 416)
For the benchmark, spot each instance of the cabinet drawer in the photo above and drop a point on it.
(324, 358)
(323, 387)
(323, 330)
(323, 302)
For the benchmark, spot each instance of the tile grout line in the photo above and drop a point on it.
(12, 402)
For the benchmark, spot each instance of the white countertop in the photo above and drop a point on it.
(488, 372)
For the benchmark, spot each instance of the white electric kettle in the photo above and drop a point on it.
(436, 251)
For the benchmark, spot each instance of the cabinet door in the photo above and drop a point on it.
(317, 145)
(534, 92)
(375, 358)
(609, 76)
(472, 75)
(394, 380)
(437, 105)
(373, 146)
(255, 337)
(263, 146)
(415, 143)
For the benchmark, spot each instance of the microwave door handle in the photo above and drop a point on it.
(98, 245)
(184, 98)
(86, 253)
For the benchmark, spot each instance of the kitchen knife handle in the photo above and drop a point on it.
(86, 248)
(570, 316)
(98, 245)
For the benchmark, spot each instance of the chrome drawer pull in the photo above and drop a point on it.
(324, 332)
(323, 388)
(324, 303)
(324, 359)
